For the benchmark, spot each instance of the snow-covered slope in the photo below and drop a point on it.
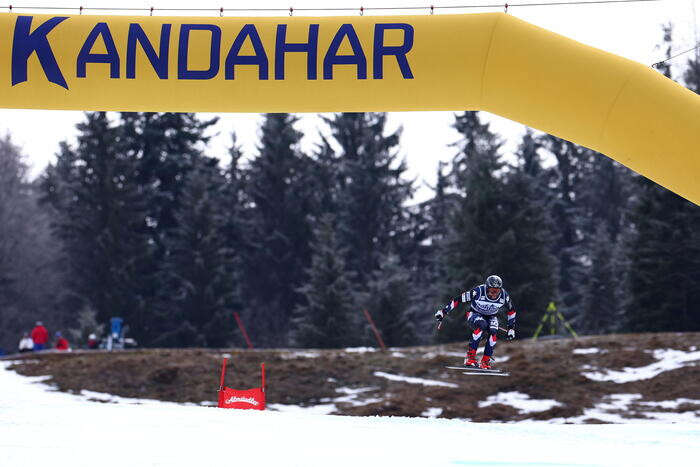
(39, 426)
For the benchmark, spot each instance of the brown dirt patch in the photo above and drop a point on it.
(546, 369)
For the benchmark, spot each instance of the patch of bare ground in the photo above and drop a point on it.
(545, 369)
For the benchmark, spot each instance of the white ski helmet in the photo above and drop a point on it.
(494, 282)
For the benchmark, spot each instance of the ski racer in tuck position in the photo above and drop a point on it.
(485, 301)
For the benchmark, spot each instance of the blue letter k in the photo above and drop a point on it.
(25, 44)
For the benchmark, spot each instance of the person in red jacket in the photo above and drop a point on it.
(61, 342)
(40, 336)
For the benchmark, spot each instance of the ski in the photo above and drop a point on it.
(486, 372)
(466, 370)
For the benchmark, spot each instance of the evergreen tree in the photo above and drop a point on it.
(163, 147)
(235, 191)
(436, 215)
(325, 178)
(664, 252)
(198, 293)
(530, 164)
(389, 303)
(440, 206)
(236, 213)
(691, 76)
(604, 196)
(236, 206)
(477, 216)
(12, 225)
(664, 67)
(418, 255)
(602, 286)
(371, 191)
(432, 272)
(362, 180)
(603, 199)
(277, 231)
(101, 222)
(568, 216)
(588, 197)
(523, 248)
(500, 225)
(475, 225)
(328, 318)
(29, 255)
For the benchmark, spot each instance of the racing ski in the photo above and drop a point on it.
(470, 370)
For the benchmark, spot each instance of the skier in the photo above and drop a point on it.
(485, 301)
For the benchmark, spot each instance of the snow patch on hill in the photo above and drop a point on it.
(413, 380)
(520, 401)
(668, 359)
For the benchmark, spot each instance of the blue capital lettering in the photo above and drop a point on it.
(158, 61)
(282, 47)
(260, 57)
(25, 44)
(380, 50)
(183, 50)
(357, 58)
(111, 57)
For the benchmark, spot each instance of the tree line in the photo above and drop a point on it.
(136, 220)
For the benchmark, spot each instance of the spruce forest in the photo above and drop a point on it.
(134, 219)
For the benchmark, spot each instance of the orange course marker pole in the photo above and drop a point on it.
(242, 328)
(262, 369)
(374, 329)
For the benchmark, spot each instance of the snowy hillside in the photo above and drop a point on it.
(40, 426)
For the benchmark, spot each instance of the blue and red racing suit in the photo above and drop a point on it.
(482, 314)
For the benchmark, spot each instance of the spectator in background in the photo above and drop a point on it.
(93, 342)
(40, 336)
(26, 344)
(61, 342)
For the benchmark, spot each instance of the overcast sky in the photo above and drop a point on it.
(631, 30)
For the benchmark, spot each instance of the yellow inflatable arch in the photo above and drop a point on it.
(493, 62)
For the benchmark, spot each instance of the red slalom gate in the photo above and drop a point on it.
(241, 399)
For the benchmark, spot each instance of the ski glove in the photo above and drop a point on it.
(439, 315)
(511, 334)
